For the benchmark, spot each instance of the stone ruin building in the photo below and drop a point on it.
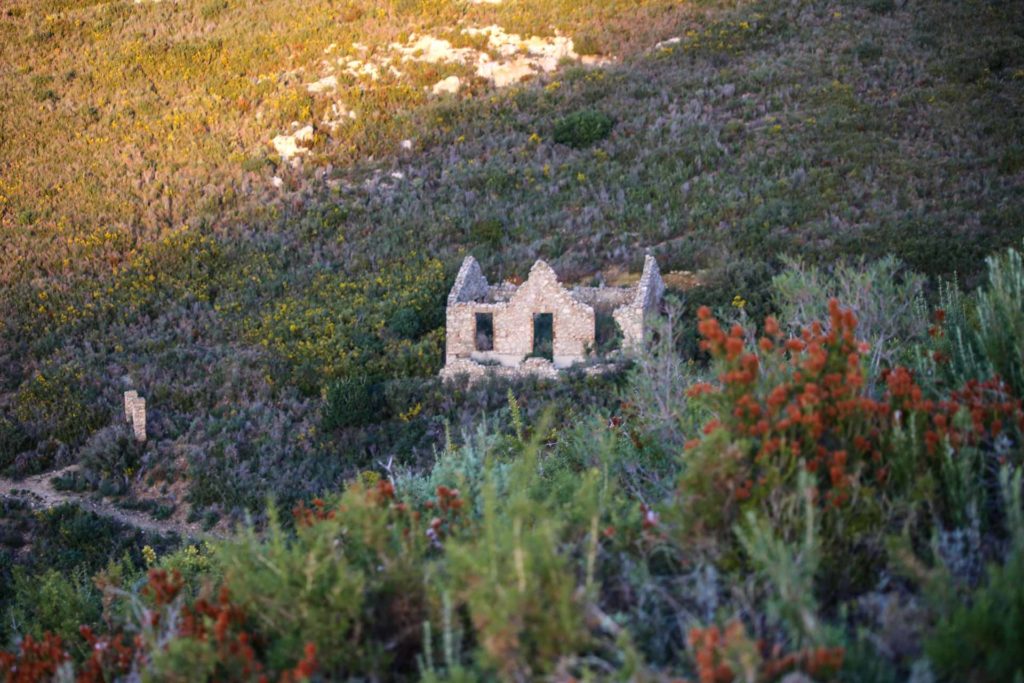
(541, 326)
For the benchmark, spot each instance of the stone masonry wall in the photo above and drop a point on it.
(633, 317)
(573, 322)
(512, 310)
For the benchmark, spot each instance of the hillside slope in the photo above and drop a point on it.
(155, 238)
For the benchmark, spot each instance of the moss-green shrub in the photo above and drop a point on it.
(980, 639)
(13, 440)
(54, 602)
(353, 402)
(583, 128)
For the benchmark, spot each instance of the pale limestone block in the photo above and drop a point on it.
(139, 419)
(129, 401)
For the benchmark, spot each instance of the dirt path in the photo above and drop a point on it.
(40, 494)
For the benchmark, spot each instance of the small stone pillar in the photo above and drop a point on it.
(129, 400)
(135, 413)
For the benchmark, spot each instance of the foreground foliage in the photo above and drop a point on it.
(821, 518)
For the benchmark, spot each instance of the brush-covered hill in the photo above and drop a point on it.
(251, 214)
(231, 206)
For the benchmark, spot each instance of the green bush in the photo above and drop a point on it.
(353, 402)
(405, 323)
(980, 641)
(583, 128)
(349, 580)
(297, 590)
(53, 602)
(980, 335)
(887, 299)
(13, 440)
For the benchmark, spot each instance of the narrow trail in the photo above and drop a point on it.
(39, 492)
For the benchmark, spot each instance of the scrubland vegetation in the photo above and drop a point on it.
(816, 468)
(787, 507)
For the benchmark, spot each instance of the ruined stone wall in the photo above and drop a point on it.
(513, 309)
(651, 288)
(604, 299)
(634, 317)
(573, 322)
(470, 283)
(135, 414)
(460, 333)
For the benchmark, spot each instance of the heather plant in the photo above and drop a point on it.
(111, 456)
(886, 298)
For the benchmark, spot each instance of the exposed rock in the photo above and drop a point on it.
(325, 83)
(448, 86)
(288, 147)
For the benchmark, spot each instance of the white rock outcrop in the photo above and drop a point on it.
(288, 146)
(447, 86)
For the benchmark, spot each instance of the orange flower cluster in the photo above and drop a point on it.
(219, 622)
(447, 509)
(444, 512)
(717, 652)
(990, 407)
(162, 587)
(109, 657)
(305, 516)
(36, 660)
(804, 398)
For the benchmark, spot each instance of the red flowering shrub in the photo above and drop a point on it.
(727, 655)
(209, 635)
(110, 656)
(802, 402)
(203, 639)
(36, 660)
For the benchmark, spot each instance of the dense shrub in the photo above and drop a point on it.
(350, 579)
(887, 300)
(59, 402)
(583, 128)
(111, 456)
(793, 404)
(52, 602)
(13, 440)
(980, 640)
(353, 402)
